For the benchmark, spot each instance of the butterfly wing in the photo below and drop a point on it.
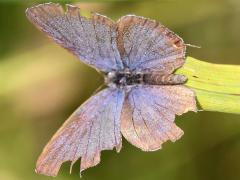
(146, 45)
(148, 114)
(93, 127)
(93, 40)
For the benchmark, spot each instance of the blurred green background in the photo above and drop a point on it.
(41, 84)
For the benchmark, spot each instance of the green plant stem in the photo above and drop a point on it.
(217, 86)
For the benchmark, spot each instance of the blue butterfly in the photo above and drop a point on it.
(137, 57)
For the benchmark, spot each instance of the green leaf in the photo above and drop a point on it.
(217, 86)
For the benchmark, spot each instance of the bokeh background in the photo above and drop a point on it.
(41, 84)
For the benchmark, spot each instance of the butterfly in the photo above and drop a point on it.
(137, 57)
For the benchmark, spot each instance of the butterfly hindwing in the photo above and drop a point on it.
(146, 45)
(148, 114)
(93, 39)
(93, 127)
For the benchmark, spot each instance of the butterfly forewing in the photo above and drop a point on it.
(93, 127)
(93, 39)
(148, 114)
(146, 45)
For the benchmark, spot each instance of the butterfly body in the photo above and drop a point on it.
(138, 57)
(127, 78)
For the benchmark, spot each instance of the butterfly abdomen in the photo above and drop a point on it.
(164, 79)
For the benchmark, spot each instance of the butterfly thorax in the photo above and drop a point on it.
(126, 78)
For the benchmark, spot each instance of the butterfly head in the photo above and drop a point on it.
(122, 78)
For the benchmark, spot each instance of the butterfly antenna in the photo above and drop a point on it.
(194, 46)
(98, 71)
(98, 89)
(72, 163)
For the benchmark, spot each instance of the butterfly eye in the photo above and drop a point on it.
(123, 80)
(111, 75)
